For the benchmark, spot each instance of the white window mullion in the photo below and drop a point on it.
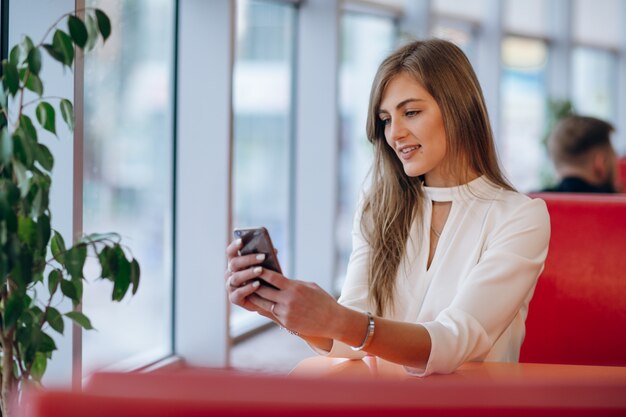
(204, 122)
(317, 128)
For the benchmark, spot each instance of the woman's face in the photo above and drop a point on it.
(414, 129)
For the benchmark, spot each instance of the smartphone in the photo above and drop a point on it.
(257, 240)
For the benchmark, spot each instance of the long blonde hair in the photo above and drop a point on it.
(393, 201)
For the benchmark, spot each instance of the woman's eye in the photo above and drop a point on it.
(412, 113)
(386, 122)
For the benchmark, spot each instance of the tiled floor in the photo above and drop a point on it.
(273, 350)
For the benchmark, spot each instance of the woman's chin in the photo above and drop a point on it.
(412, 171)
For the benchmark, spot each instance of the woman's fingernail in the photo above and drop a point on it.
(260, 257)
(238, 242)
(255, 284)
(258, 270)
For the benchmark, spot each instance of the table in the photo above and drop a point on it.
(569, 389)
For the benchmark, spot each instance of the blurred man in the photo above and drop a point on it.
(583, 156)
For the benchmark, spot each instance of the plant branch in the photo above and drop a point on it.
(42, 98)
(74, 13)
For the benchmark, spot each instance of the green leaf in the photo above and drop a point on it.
(54, 53)
(6, 146)
(47, 343)
(55, 319)
(78, 285)
(78, 31)
(34, 61)
(62, 43)
(13, 310)
(11, 77)
(121, 275)
(69, 290)
(44, 230)
(27, 44)
(33, 83)
(39, 366)
(44, 157)
(92, 31)
(107, 260)
(104, 24)
(134, 275)
(58, 247)
(26, 230)
(3, 100)
(75, 260)
(54, 277)
(22, 179)
(46, 116)
(15, 54)
(80, 319)
(67, 112)
(23, 148)
(28, 127)
(23, 268)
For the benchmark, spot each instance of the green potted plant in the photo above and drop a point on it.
(37, 268)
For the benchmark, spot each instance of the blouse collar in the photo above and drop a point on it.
(477, 187)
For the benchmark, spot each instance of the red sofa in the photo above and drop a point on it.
(578, 312)
(198, 392)
(622, 173)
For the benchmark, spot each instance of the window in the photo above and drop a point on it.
(262, 89)
(524, 96)
(594, 78)
(365, 41)
(128, 177)
(461, 33)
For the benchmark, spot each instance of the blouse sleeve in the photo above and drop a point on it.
(494, 291)
(354, 293)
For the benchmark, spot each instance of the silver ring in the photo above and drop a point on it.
(272, 309)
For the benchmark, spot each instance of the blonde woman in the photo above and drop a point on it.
(446, 254)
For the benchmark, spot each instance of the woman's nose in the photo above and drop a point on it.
(397, 130)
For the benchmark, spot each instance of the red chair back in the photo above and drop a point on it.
(578, 312)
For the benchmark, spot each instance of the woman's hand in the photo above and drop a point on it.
(242, 277)
(299, 306)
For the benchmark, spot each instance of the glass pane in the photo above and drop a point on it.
(458, 32)
(523, 111)
(598, 22)
(365, 41)
(469, 9)
(128, 177)
(529, 17)
(594, 77)
(262, 89)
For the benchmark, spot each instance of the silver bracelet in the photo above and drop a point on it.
(370, 333)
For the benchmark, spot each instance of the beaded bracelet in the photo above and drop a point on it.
(370, 333)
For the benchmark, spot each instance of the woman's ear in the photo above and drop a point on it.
(602, 165)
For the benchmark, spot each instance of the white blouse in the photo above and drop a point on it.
(473, 300)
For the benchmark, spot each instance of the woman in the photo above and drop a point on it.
(446, 254)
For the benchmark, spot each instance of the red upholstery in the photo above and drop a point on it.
(578, 312)
(218, 393)
(622, 173)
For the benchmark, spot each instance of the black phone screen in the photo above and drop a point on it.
(257, 240)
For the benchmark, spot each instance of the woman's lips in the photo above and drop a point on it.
(408, 152)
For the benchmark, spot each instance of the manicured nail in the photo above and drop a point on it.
(260, 257)
(255, 284)
(258, 270)
(238, 242)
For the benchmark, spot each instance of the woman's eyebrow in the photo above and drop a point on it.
(402, 104)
